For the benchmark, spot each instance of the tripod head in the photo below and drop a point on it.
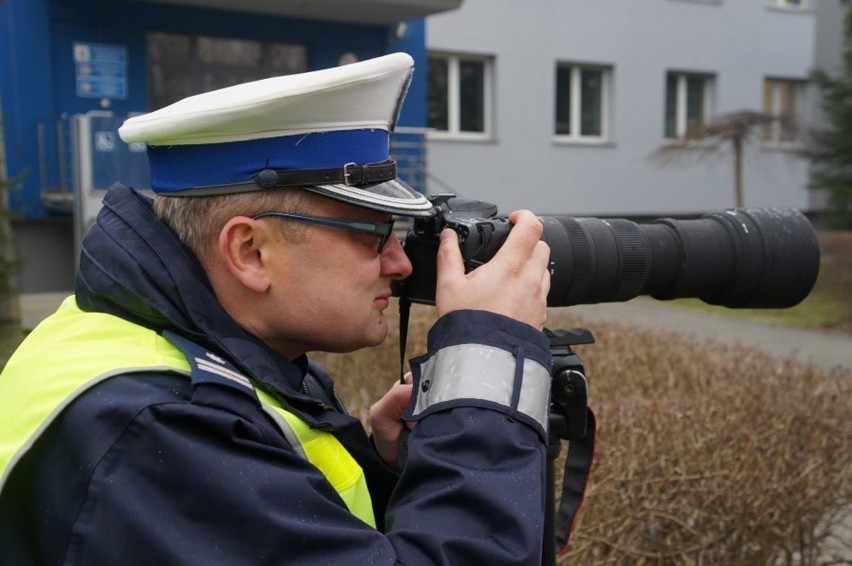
(568, 386)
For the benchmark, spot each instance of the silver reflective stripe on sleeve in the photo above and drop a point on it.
(475, 371)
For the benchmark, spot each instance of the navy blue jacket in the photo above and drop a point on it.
(139, 470)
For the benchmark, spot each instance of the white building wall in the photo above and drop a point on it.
(521, 166)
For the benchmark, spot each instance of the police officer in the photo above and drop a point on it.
(167, 413)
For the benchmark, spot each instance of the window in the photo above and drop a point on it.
(788, 4)
(784, 99)
(582, 94)
(459, 101)
(688, 102)
(183, 65)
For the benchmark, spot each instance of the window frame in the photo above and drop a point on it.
(453, 102)
(682, 102)
(699, 1)
(576, 111)
(774, 138)
(785, 5)
(194, 72)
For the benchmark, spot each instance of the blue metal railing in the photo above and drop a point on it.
(408, 148)
(55, 164)
(84, 153)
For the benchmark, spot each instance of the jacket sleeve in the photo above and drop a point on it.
(472, 489)
(159, 480)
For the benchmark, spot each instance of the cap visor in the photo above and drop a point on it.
(393, 196)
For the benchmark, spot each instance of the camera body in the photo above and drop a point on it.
(738, 258)
(480, 232)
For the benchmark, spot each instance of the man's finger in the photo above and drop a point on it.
(449, 260)
(522, 239)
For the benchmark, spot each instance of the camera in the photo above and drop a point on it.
(737, 258)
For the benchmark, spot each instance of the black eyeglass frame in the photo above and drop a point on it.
(382, 230)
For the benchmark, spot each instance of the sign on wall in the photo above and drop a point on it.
(101, 70)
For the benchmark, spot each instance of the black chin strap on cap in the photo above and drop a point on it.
(350, 174)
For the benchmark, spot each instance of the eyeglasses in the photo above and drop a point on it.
(383, 231)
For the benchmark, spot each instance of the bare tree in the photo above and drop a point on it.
(706, 141)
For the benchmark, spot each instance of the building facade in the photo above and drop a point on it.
(560, 106)
(72, 70)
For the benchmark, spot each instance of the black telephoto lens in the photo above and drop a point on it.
(738, 258)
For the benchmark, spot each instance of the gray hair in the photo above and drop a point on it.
(198, 220)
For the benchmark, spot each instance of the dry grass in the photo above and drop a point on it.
(706, 455)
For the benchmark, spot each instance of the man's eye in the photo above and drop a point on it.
(366, 238)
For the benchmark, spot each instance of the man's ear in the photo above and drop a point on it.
(241, 243)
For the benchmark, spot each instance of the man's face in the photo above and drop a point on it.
(330, 288)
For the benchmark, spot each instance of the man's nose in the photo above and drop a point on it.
(395, 262)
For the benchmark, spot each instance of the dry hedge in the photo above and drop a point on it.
(705, 454)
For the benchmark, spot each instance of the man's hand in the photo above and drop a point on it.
(386, 421)
(514, 283)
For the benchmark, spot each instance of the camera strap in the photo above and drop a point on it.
(575, 478)
(571, 419)
(404, 313)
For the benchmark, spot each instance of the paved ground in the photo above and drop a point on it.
(822, 349)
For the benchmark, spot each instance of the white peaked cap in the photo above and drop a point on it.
(326, 131)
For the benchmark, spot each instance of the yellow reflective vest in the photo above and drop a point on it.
(72, 351)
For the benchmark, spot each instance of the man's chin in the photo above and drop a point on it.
(377, 340)
(353, 346)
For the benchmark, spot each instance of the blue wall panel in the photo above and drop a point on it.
(38, 74)
(26, 82)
